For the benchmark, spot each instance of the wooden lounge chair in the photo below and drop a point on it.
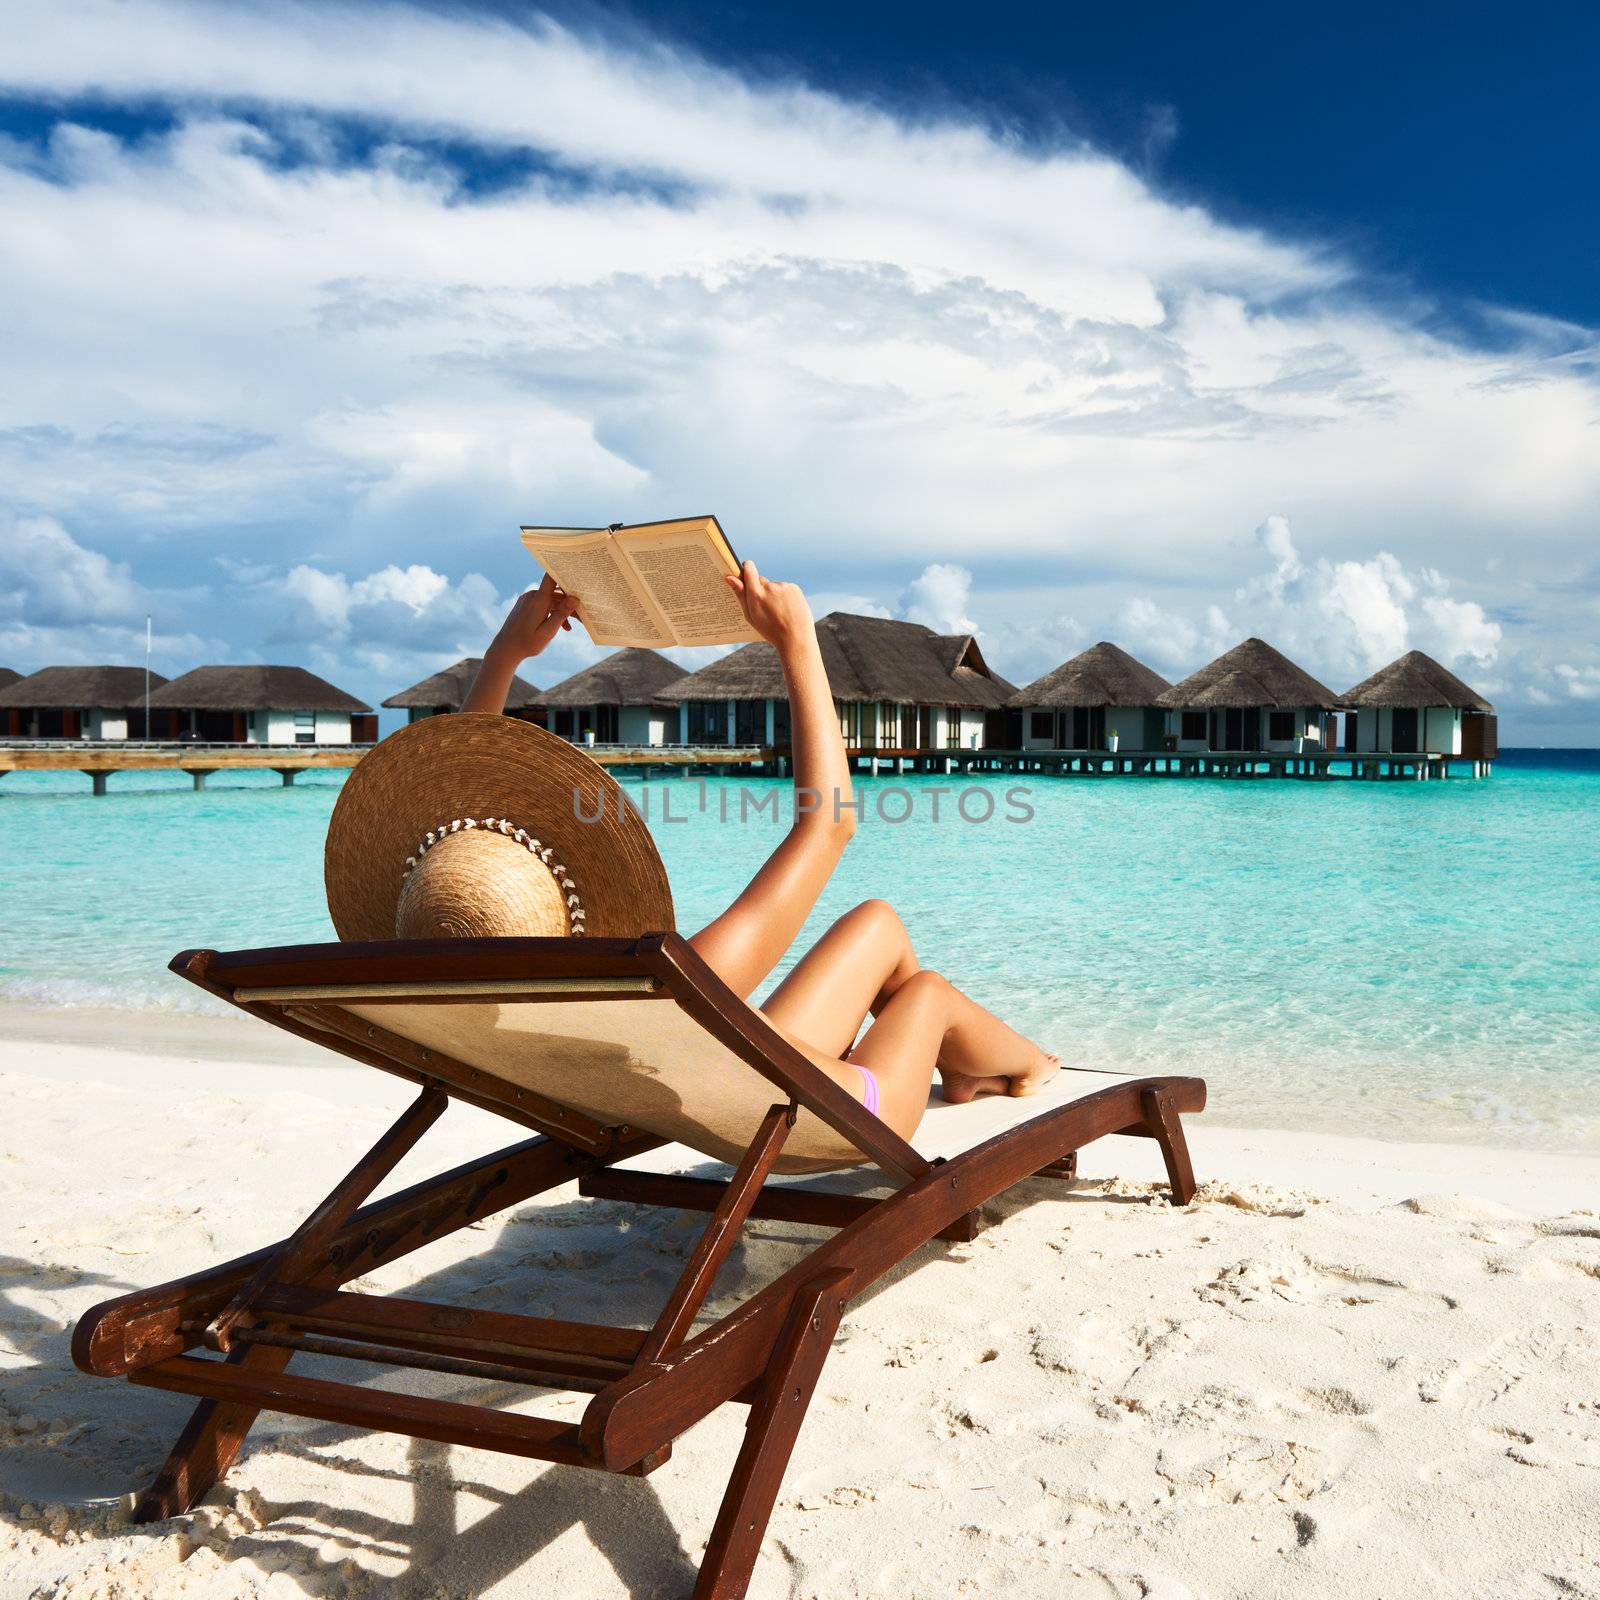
(605, 1049)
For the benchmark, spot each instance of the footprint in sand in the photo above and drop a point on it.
(1257, 1470)
(1299, 1280)
(1485, 1379)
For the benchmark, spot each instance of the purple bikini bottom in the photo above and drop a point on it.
(869, 1085)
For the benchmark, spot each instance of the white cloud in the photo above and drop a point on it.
(940, 597)
(411, 610)
(1347, 618)
(1169, 639)
(1582, 683)
(48, 577)
(1460, 629)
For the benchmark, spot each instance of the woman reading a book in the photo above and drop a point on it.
(864, 965)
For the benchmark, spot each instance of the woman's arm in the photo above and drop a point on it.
(744, 944)
(536, 618)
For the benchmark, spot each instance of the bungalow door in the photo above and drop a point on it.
(1403, 729)
(750, 722)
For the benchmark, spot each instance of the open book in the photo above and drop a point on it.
(648, 583)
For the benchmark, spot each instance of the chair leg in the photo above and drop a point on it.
(1161, 1118)
(207, 1446)
(216, 1429)
(770, 1433)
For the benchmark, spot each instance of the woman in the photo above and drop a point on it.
(864, 964)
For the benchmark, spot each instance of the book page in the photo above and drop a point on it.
(683, 564)
(612, 604)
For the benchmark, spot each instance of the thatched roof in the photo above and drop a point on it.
(866, 658)
(81, 689)
(447, 690)
(632, 677)
(250, 688)
(1251, 674)
(8, 677)
(1102, 675)
(1415, 680)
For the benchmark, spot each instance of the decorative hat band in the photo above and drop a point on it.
(568, 888)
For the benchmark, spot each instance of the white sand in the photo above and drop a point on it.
(1349, 1368)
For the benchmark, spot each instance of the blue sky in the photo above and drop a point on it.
(1454, 146)
(1066, 327)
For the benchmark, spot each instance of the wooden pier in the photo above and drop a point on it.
(1384, 766)
(98, 760)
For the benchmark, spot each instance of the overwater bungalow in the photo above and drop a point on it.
(900, 690)
(9, 677)
(1416, 706)
(1253, 698)
(76, 703)
(616, 700)
(1101, 694)
(447, 691)
(259, 705)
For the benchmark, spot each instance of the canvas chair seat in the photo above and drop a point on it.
(636, 1063)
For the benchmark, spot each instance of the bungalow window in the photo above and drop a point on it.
(952, 727)
(1280, 724)
(1192, 725)
(706, 721)
(750, 722)
(305, 727)
(1088, 728)
(1041, 725)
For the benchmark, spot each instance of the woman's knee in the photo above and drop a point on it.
(877, 925)
(923, 988)
(877, 915)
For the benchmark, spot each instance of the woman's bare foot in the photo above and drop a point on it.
(1036, 1077)
(957, 1088)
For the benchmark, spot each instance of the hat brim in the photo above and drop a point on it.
(472, 764)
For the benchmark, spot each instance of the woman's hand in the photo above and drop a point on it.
(777, 611)
(536, 618)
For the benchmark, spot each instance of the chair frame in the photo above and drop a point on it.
(251, 1315)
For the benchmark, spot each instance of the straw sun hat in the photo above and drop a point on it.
(472, 825)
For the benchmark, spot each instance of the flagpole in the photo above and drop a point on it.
(147, 678)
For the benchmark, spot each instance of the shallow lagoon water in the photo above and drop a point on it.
(1400, 960)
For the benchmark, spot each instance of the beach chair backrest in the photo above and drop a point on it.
(627, 1033)
(643, 1064)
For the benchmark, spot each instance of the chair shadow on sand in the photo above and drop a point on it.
(638, 1258)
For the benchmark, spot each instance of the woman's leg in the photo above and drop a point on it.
(852, 970)
(865, 964)
(928, 1022)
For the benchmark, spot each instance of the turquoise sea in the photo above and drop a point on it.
(1400, 960)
